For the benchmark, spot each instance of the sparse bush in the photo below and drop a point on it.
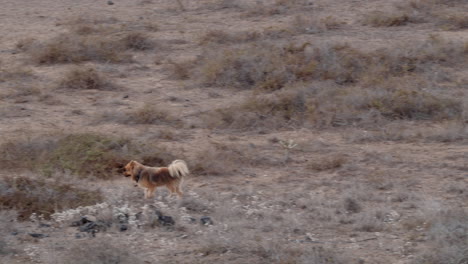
(137, 41)
(327, 163)
(147, 114)
(67, 48)
(412, 104)
(440, 12)
(279, 110)
(84, 155)
(449, 236)
(384, 19)
(351, 205)
(84, 78)
(453, 21)
(369, 222)
(15, 74)
(43, 197)
(24, 154)
(265, 66)
(180, 70)
(25, 44)
(219, 159)
(310, 25)
(223, 37)
(87, 155)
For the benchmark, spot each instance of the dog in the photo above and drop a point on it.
(150, 178)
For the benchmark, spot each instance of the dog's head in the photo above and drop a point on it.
(129, 168)
(133, 170)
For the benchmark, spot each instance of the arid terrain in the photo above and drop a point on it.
(316, 131)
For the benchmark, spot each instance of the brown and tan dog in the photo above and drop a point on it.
(151, 177)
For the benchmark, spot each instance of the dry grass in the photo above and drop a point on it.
(100, 251)
(284, 109)
(312, 24)
(88, 42)
(220, 159)
(223, 37)
(68, 48)
(443, 13)
(448, 234)
(84, 78)
(148, 114)
(384, 19)
(86, 155)
(327, 163)
(15, 74)
(271, 8)
(371, 87)
(265, 66)
(43, 197)
(138, 41)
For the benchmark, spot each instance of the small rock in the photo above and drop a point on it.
(123, 228)
(37, 235)
(166, 220)
(110, 2)
(123, 218)
(125, 96)
(84, 220)
(206, 220)
(44, 225)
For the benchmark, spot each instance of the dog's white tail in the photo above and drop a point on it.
(178, 169)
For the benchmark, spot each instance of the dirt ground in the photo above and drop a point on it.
(341, 195)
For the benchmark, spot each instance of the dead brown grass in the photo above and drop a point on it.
(138, 41)
(43, 197)
(68, 48)
(449, 240)
(327, 163)
(265, 66)
(280, 110)
(384, 19)
(85, 155)
(223, 37)
(443, 13)
(84, 78)
(148, 114)
(220, 159)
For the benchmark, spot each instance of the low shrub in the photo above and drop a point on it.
(68, 48)
(43, 197)
(82, 154)
(84, 78)
(268, 67)
(279, 110)
(385, 19)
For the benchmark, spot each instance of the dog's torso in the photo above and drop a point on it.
(153, 177)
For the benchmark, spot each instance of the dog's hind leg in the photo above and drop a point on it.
(151, 192)
(176, 188)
